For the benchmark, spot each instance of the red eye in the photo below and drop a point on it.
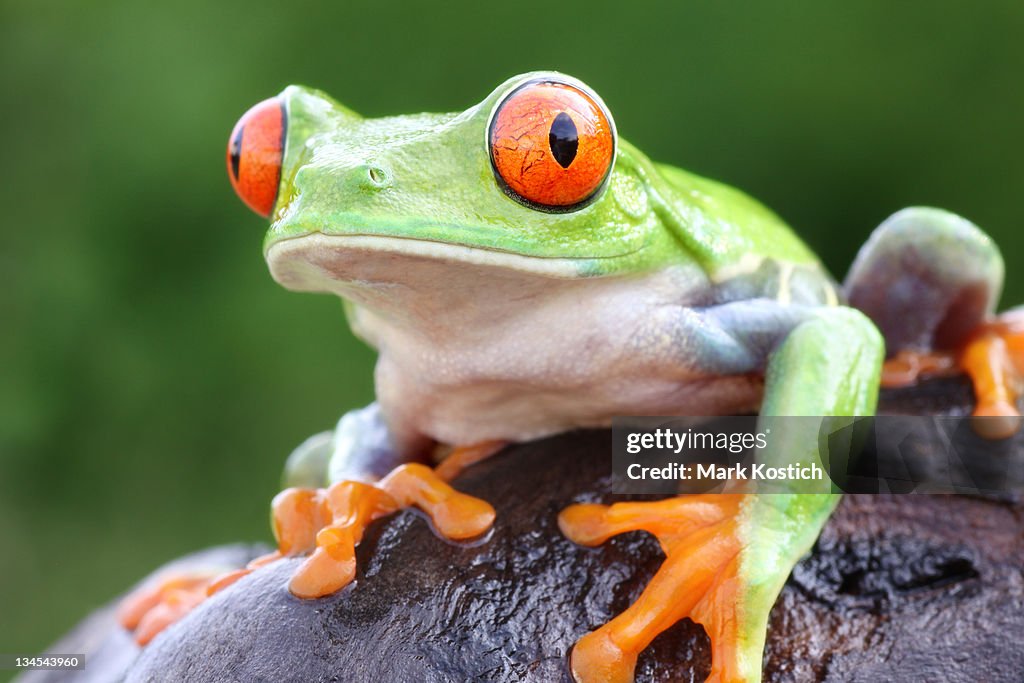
(255, 150)
(552, 144)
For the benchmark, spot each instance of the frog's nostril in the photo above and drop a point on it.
(378, 176)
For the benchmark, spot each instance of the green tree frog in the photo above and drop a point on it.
(523, 271)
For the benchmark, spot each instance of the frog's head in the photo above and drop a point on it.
(532, 179)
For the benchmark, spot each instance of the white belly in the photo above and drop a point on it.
(573, 355)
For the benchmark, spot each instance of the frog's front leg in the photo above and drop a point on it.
(728, 555)
(338, 482)
(930, 281)
(368, 478)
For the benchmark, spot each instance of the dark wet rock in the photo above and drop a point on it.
(906, 588)
(898, 588)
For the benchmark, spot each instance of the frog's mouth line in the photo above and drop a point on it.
(295, 261)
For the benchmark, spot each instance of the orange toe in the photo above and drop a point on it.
(596, 657)
(994, 360)
(298, 514)
(908, 366)
(462, 457)
(455, 515)
(323, 573)
(585, 524)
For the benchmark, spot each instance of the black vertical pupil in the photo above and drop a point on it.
(236, 151)
(564, 139)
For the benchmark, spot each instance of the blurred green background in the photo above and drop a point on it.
(153, 377)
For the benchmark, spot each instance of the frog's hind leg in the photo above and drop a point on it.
(927, 278)
(930, 281)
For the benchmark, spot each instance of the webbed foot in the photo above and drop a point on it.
(348, 507)
(699, 579)
(992, 356)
